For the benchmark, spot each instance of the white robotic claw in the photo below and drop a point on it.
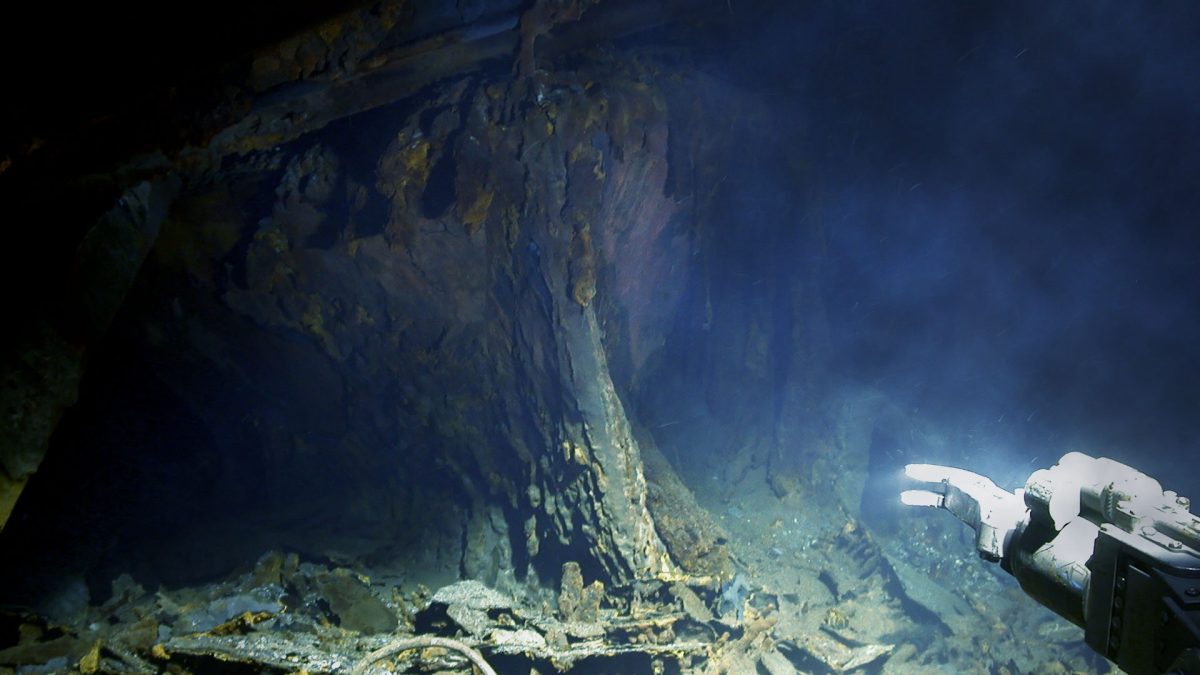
(992, 512)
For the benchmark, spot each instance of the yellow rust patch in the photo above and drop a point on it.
(10, 490)
(362, 317)
(90, 662)
(416, 158)
(575, 452)
(583, 269)
(477, 212)
(274, 238)
(583, 152)
(240, 624)
(330, 31)
(406, 165)
(313, 320)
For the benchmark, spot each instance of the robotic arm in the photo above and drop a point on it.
(1098, 543)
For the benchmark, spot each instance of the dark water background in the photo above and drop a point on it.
(1009, 196)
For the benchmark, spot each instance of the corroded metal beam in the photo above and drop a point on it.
(389, 74)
